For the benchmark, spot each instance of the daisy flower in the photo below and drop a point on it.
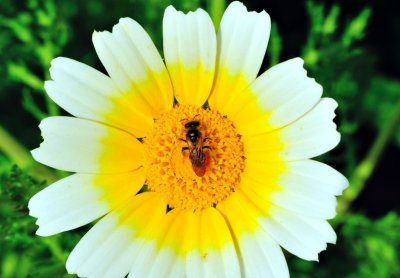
(196, 167)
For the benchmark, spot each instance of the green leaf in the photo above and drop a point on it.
(330, 24)
(274, 46)
(379, 103)
(21, 73)
(19, 26)
(356, 29)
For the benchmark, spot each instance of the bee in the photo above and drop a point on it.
(195, 141)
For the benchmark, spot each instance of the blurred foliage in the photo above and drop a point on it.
(34, 32)
(380, 102)
(23, 253)
(342, 67)
(27, 54)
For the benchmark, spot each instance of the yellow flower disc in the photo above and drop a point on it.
(169, 170)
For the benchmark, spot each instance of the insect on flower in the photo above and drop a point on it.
(199, 157)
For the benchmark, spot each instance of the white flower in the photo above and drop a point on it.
(227, 170)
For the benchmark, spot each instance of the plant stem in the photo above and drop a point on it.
(216, 9)
(55, 248)
(365, 169)
(19, 155)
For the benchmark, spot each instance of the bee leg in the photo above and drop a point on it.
(184, 120)
(185, 153)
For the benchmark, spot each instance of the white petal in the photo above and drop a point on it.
(75, 82)
(89, 243)
(81, 198)
(262, 257)
(216, 264)
(165, 261)
(79, 145)
(242, 40)
(144, 260)
(194, 265)
(324, 208)
(213, 253)
(308, 188)
(190, 52)
(322, 227)
(122, 263)
(178, 269)
(154, 261)
(87, 93)
(153, 217)
(276, 98)
(223, 262)
(110, 248)
(307, 177)
(292, 190)
(162, 264)
(311, 135)
(306, 241)
(243, 37)
(67, 204)
(106, 253)
(133, 62)
(300, 237)
(115, 243)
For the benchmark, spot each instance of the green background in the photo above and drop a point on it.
(350, 47)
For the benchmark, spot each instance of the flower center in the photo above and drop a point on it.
(194, 157)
